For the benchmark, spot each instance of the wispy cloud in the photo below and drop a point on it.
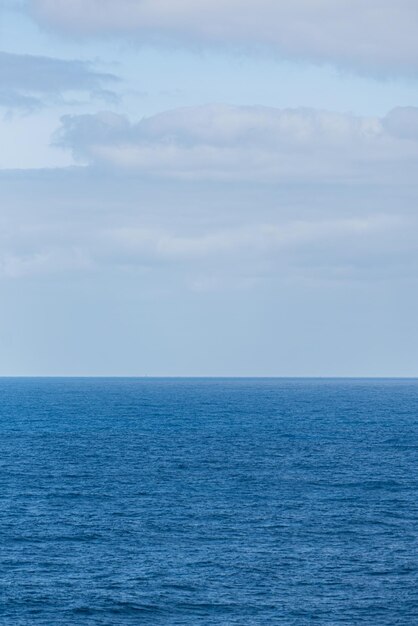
(29, 82)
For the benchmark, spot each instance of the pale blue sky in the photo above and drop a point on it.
(197, 188)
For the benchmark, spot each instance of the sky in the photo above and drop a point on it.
(208, 188)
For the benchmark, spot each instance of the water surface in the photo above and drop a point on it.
(206, 501)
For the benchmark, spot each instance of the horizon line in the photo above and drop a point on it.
(201, 377)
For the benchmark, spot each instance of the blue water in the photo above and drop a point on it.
(203, 502)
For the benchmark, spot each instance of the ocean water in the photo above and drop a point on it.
(203, 502)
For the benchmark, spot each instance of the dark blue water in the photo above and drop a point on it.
(208, 502)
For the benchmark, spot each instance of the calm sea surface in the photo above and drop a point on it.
(152, 501)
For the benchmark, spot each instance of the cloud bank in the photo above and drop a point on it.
(260, 144)
(368, 36)
(215, 193)
(206, 235)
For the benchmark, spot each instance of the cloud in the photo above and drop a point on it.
(217, 194)
(260, 144)
(27, 81)
(373, 36)
(262, 239)
(403, 122)
(194, 234)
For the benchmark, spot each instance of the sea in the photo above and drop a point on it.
(208, 502)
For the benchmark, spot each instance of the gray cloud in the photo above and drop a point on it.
(27, 81)
(219, 142)
(215, 195)
(373, 36)
(203, 235)
(403, 122)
